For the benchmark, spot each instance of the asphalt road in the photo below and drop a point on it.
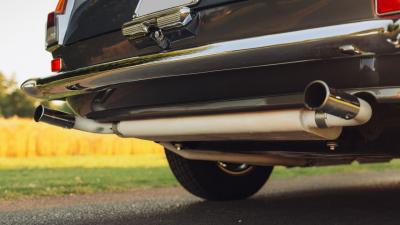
(357, 198)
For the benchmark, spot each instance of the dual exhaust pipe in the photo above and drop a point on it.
(326, 112)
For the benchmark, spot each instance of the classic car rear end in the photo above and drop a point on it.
(230, 88)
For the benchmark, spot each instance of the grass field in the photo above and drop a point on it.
(20, 138)
(24, 178)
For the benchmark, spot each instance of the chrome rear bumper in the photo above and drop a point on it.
(361, 39)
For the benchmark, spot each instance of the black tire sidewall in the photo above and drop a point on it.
(206, 180)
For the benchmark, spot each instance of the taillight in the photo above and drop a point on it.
(51, 20)
(51, 31)
(56, 65)
(388, 7)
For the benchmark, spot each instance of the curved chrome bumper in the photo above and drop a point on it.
(367, 38)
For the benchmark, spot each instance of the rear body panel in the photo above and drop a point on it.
(95, 36)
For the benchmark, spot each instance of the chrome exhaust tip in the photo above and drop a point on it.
(319, 97)
(54, 117)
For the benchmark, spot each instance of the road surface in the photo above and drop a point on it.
(371, 198)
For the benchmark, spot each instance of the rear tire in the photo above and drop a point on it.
(210, 181)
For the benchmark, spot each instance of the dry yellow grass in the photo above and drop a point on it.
(22, 138)
(87, 162)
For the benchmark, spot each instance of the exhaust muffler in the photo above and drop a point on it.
(327, 112)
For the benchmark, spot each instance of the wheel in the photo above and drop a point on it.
(218, 181)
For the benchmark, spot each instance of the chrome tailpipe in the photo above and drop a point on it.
(65, 120)
(334, 107)
(319, 97)
(327, 112)
(54, 117)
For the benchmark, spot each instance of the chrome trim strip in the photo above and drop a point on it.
(230, 55)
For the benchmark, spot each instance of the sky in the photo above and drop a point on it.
(22, 38)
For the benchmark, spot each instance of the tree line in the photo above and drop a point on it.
(13, 102)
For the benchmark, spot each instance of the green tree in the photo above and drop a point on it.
(13, 102)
